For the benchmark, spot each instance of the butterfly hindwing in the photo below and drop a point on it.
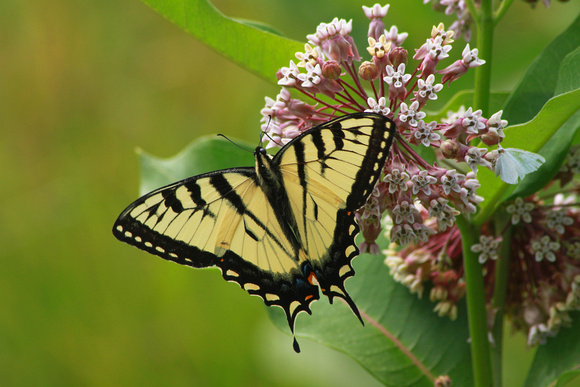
(280, 230)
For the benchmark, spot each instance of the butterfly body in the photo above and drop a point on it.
(282, 229)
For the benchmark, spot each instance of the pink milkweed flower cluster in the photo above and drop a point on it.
(334, 77)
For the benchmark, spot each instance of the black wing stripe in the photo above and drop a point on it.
(224, 188)
(172, 201)
(195, 193)
(319, 143)
(338, 136)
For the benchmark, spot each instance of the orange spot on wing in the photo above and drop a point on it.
(312, 279)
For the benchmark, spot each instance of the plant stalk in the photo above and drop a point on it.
(485, 26)
(480, 354)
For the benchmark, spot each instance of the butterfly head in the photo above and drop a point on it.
(262, 156)
(263, 163)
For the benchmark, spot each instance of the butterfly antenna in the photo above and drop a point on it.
(238, 145)
(266, 133)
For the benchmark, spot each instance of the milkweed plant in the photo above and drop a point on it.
(477, 227)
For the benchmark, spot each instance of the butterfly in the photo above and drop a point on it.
(282, 229)
(513, 163)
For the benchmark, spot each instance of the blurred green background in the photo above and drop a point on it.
(82, 84)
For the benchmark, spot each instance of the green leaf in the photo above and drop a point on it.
(403, 342)
(252, 45)
(540, 80)
(202, 155)
(531, 136)
(560, 354)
